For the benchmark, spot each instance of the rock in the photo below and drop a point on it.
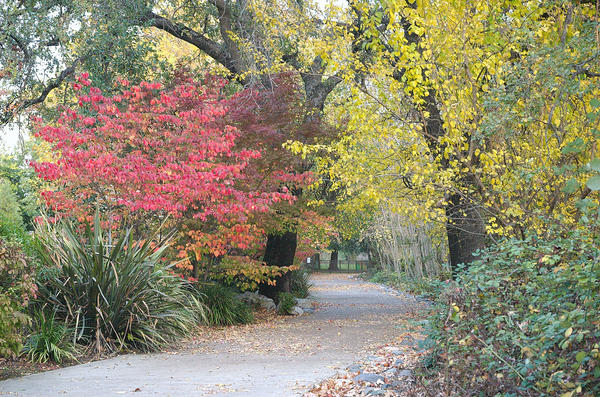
(405, 373)
(305, 303)
(255, 299)
(398, 362)
(268, 305)
(355, 368)
(370, 378)
(390, 373)
(372, 391)
(296, 311)
(393, 350)
(397, 384)
(374, 358)
(408, 341)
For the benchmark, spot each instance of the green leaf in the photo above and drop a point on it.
(576, 146)
(568, 332)
(595, 165)
(594, 183)
(595, 103)
(580, 356)
(571, 186)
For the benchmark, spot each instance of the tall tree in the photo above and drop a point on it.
(107, 39)
(244, 47)
(421, 111)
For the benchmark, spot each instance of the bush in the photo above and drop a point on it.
(50, 341)
(223, 307)
(525, 320)
(17, 287)
(12, 227)
(115, 294)
(384, 277)
(11, 221)
(429, 288)
(300, 283)
(287, 302)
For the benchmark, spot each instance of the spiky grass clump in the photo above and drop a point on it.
(223, 307)
(50, 341)
(300, 283)
(116, 294)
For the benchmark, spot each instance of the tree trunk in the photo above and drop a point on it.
(465, 229)
(280, 251)
(333, 262)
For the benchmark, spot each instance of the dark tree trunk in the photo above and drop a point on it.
(317, 264)
(196, 270)
(333, 262)
(280, 251)
(465, 230)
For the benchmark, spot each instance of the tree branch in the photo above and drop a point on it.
(198, 40)
(8, 114)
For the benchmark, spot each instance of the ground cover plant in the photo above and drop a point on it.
(51, 340)
(286, 303)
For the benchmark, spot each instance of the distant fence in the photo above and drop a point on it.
(343, 266)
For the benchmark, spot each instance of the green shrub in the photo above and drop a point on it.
(222, 306)
(287, 302)
(524, 320)
(384, 277)
(17, 287)
(11, 221)
(115, 294)
(427, 287)
(50, 341)
(12, 227)
(300, 283)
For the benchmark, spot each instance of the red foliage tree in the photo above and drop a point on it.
(152, 149)
(156, 150)
(212, 162)
(265, 119)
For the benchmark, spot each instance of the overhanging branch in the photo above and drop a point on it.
(8, 114)
(198, 40)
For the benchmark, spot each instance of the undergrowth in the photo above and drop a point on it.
(223, 307)
(524, 319)
(287, 302)
(50, 341)
(300, 283)
(429, 288)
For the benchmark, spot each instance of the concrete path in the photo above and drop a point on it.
(281, 357)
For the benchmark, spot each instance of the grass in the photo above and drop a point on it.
(287, 302)
(50, 342)
(223, 307)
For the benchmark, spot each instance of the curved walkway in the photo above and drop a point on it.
(281, 357)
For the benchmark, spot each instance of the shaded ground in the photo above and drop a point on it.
(280, 357)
